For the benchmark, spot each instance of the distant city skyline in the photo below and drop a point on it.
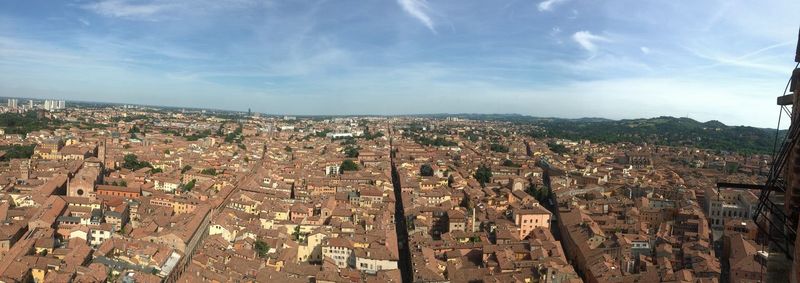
(708, 60)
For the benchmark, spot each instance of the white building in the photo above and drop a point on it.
(166, 185)
(728, 204)
(99, 234)
(371, 260)
(332, 170)
(340, 250)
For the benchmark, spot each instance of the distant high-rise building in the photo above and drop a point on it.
(30, 104)
(12, 103)
(54, 104)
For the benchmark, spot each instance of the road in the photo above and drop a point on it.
(400, 221)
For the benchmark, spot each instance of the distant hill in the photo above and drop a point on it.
(661, 130)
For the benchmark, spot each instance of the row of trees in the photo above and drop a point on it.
(438, 141)
(541, 194)
(496, 147)
(13, 123)
(131, 162)
(17, 151)
(557, 148)
(509, 163)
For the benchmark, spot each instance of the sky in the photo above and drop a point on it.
(618, 59)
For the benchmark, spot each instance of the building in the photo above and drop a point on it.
(340, 250)
(527, 219)
(118, 191)
(82, 185)
(723, 205)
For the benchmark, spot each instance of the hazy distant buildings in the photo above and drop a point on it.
(12, 103)
(48, 104)
(54, 104)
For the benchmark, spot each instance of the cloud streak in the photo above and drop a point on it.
(419, 10)
(588, 41)
(127, 9)
(548, 5)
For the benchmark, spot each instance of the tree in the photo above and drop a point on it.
(131, 162)
(426, 170)
(230, 137)
(483, 175)
(262, 248)
(190, 185)
(156, 170)
(351, 152)
(509, 163)
(370, 136)
(322, 134)
(22, 124)
(348, 165)
(186, 169)
(496, 147)
(296, 233)
(197, 136)
(123, 183)
(209, 171)
(287, 149)
(17, 151)
(557, 148)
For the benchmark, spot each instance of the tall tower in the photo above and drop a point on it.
(25, 169)
(793, 194)
(779, 201)
(101, 151)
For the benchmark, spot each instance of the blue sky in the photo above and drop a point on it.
(723, 60)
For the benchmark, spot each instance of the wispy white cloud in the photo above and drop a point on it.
(548, 5)
(418, 9)
(155, 10)
(84, 22)
(645, 49)
(127, 9)
(719, 59)
(588, 41)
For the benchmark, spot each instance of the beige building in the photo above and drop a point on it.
(529, 218)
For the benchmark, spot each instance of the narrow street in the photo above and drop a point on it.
(404, 264)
